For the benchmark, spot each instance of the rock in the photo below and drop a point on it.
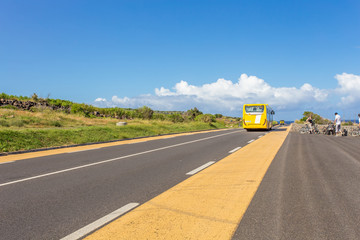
(119, 124)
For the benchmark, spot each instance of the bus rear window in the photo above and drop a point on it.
(254, 109)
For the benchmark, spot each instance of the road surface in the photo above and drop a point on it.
(311, 191)
(281, 185)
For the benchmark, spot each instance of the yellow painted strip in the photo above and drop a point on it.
(22, 156)
(208, 205)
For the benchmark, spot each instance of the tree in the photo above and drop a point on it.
(317, 118)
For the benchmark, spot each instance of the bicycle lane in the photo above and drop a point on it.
(208, 205)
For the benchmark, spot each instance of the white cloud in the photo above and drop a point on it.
(231, 95)
(224, 96)
(100, 100)
(227, 97)
(349, 87)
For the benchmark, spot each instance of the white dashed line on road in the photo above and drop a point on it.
(234, 150)
(200, 168)
(100, 222)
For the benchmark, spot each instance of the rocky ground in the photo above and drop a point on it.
(295, 127)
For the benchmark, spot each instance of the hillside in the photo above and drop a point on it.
(27, 123)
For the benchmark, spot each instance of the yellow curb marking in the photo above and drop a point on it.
(22, 156)
(208, 205)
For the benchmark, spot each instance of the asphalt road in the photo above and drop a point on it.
(51, 197)
(310, 191)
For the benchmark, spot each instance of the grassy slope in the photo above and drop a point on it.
(21, 130)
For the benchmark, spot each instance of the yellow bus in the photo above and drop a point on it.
(257, 116)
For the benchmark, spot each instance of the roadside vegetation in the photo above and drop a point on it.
(320, 120)
(316, 117)
(54, 122)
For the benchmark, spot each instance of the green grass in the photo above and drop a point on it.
(25, 139)
(25, 130)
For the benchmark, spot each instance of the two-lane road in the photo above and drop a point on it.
(52, 196)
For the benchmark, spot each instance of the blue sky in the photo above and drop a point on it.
(178, 54)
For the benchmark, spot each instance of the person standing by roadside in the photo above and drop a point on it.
(310, 122)
(337, 123)
(359, 119)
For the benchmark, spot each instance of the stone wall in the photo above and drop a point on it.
(27, 105)
(295, 127)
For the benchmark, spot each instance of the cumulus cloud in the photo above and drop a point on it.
(349, 88)
(224, 96)
(100, 100)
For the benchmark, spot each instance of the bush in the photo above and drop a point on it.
(145, 112)
(348, 123)
(317, 118)
(158, 116)
(12, 97)
(119, 112)
(82, 109)
(35, 97)
(176, 118)
(57, 124)
(192, 113)
(207, 118)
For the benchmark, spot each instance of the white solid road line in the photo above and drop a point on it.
(7, 162)
(200, 168)
(113, 159)
(100, 222)
(235, 149)
(251, 141)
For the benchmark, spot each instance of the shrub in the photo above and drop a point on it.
(78, 108)
(317, 118)
(35, 97)
(57, 124)
(207, 118)
(158, 116)
(192, 113)
(145, 112)
(350, 123)
(176, 118)
(119, 112)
